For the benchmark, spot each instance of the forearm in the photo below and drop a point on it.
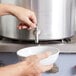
(13, 70)
(4, 9)
(7, 9)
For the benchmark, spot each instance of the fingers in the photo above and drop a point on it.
(30, 23)
(22, 26)
(47, 68)
(37, 58)
(38, 74)
(33, 18)
(43, 55)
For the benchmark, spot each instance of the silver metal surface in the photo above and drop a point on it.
(36, 33)
(7, 45)
(55, 19)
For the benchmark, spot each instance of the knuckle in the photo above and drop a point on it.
(31, 25)
(33, 13)
(35, 56)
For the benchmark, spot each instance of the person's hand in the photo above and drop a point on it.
(27, 17)
(29, 67)
(33, 66)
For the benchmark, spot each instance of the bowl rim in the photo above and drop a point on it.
(18, 54)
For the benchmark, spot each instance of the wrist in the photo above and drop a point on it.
(22, 67)
(14, 70)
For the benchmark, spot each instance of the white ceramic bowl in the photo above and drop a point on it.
(25, 52)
